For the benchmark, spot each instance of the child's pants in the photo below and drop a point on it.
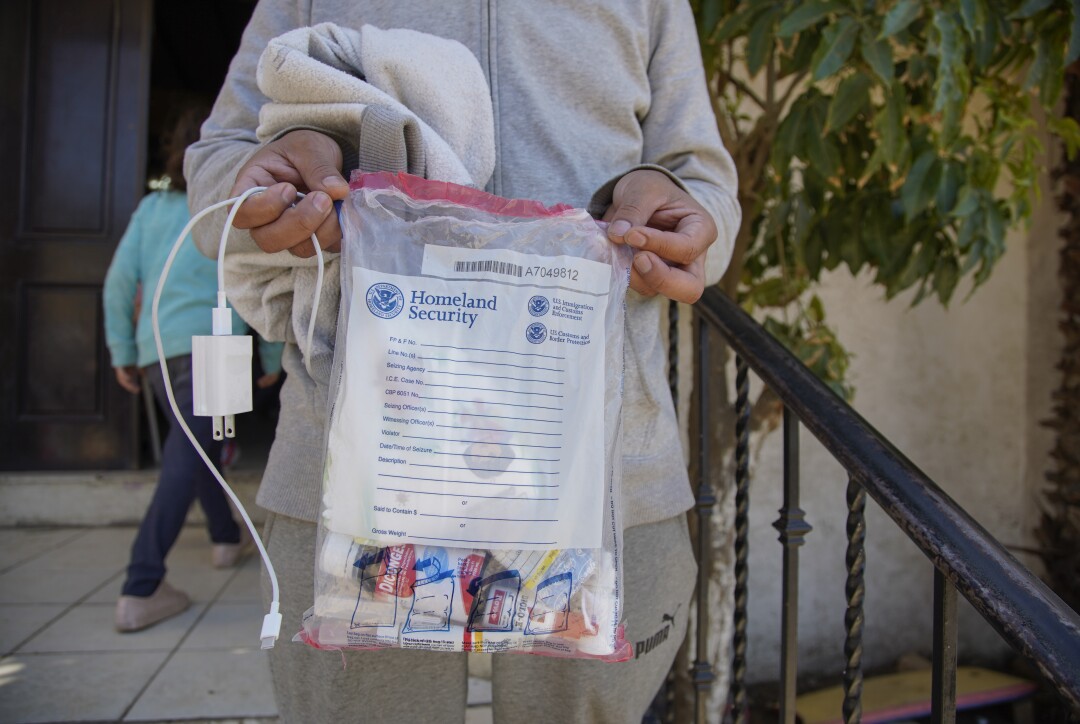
(184, 477)
(430, 687)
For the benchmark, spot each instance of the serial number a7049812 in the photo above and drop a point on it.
(549, 272)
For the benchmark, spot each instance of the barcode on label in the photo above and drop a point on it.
(489, 265)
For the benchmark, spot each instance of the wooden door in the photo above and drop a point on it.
(72, 143)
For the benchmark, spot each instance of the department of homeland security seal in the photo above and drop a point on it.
(385, 300)
(536, 333)
(538, 306)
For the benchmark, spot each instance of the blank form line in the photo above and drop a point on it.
(501, 351)
(496, 429)
(477, 517)
(482, 442)
(498, 417)
(502, 457)
(495, 542)
(488, 402)
(490, 470)
(497, 364)
(501, 417)
(471, 495)
(486, 389)
(491, 377)
(466, 482)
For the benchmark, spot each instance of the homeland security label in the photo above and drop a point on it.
(444, 308)
(471, 410)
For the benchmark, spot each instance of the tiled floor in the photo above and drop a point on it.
(61, 661)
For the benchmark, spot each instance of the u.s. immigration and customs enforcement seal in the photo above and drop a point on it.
(385, 300)
(539, 305)
(536, 333)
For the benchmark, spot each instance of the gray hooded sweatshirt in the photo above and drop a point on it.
(582, 93)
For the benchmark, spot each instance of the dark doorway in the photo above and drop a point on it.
(193, 43)
(88, 86)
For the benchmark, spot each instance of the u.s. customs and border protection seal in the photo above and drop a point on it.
(384, 300)
(536, 333)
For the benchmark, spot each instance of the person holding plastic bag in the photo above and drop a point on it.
(600, 109)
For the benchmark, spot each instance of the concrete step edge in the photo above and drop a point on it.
(98, 498)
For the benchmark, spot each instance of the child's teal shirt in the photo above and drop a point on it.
(189, 295)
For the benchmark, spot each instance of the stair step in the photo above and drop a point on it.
(98, 498)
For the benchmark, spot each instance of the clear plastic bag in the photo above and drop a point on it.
(471, 489)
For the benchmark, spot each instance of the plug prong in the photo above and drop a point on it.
(219, 425)
(230, 426)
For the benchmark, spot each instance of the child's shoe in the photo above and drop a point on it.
(228, 555)
(134, 613)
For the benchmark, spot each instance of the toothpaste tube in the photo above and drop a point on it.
(530, 565)
(355, 589)
(597, 636)
(340, 553)
(385, 573)
(579, 563)
(358, 608)
(550, 609)
(369, 586)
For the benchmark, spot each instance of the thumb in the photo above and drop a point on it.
(322, 174)
(633, 204)
(317, 158)
(625, 214)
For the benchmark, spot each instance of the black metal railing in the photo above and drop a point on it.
(966, 558)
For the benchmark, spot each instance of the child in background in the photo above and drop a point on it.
(184, 311)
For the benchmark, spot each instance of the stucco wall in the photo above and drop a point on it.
(962, 393)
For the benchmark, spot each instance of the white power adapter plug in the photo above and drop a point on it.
(221, 374)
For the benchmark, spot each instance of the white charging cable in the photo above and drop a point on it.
(221, 264)
(271, 627)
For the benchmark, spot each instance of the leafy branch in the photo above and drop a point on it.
(896, 137)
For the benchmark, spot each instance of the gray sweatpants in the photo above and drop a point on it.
(430, 687)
